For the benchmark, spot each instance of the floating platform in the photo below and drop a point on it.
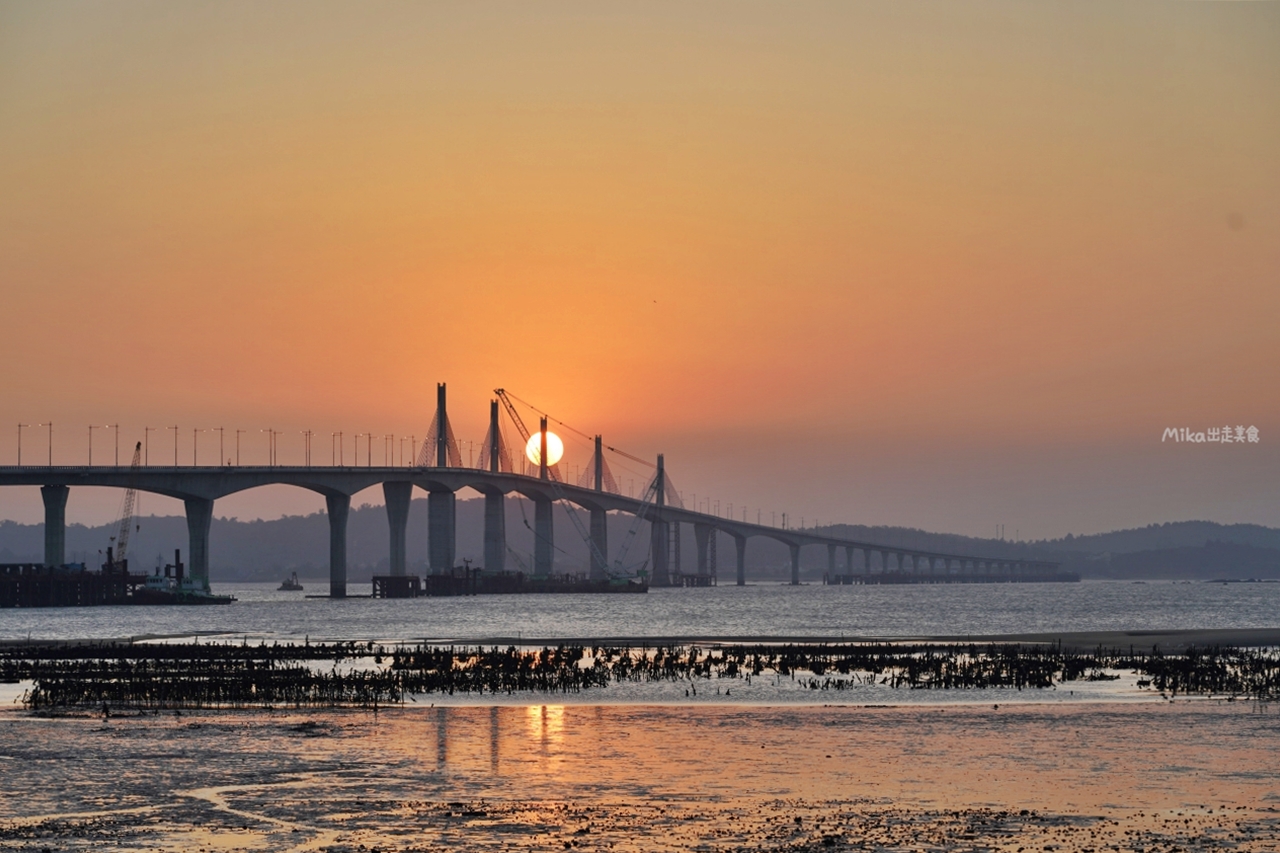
(468, 581)
(397, 586)
(72, 585)
(692, 580)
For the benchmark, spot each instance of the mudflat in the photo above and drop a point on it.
(1191, 774)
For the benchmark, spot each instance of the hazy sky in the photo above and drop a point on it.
(940, 265)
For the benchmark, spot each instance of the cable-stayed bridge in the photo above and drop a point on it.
(439, 470)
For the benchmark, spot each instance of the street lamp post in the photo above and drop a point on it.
(91, 427)
(116, 427)
(195, 449)
(238, 431)
(50, 426)
(175, 445)
(20, 426)
(146, 445)
(221, 448)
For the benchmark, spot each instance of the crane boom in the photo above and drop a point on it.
(513, 414)
(126, 510)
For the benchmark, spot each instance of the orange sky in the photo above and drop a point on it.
(943, 266)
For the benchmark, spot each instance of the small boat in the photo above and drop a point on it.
(167, 590)
(174, 587)
(290, 584)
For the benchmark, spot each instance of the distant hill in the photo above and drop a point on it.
(1178, 534)
(1226, 560)
(268, 550)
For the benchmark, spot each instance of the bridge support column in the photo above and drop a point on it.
(199, 520)
(795, 564)
(659, 530)
(600, 538)
(440, 531)
(338, 506)
(659, 533)
(397, 496)
(495, 531)
(740, 545)
(55, 524)
(866, 561)
(702, 534)
(831, 563)
(848, 559)
(544, 537)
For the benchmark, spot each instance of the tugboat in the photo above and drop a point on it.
(173, 588)
(290, 584)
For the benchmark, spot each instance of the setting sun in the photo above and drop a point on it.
(555, 448)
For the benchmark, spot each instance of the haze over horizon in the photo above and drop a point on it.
(942, 267)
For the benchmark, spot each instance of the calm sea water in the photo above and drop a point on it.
(725, 611)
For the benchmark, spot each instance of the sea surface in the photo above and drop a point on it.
(760, 610)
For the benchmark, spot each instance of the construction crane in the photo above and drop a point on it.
(121, 539)
(553, 478)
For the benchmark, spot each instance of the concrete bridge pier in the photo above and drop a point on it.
(740, 546)
(199, 520)
(600, 538)
(831, 561)
(848, 559)
(659, 533)
(397, 496)
(795, 564)
(866, 561)
(441, 547)
(338, 506)
(658, 530)
(702, 534)
(543, 536)
(55, 524)
(495, 531)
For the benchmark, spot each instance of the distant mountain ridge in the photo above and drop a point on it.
(269, 550)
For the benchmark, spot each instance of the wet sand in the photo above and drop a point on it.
(1187, 775)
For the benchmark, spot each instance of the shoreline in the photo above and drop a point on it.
(655, 778)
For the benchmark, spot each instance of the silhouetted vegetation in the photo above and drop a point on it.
(365, 675)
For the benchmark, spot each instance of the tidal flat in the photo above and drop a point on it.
(1194, 774)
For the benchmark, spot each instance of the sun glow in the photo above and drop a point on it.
(555, 448)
